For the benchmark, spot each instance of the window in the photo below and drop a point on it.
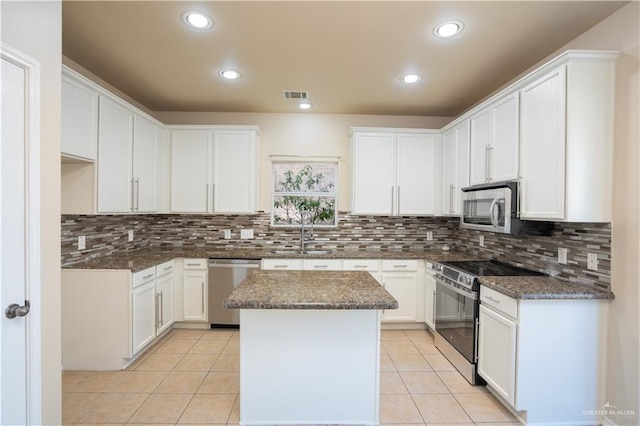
(304, 193)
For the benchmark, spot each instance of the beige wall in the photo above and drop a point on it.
(303, 134)
(34, 28)
(621, 32)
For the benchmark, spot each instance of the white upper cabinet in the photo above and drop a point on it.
(393, 172)
(235, 171)
(79, 136)
(566, 156)
(455, 167)
(416, 174)
(494, 142)
(115, 151)
(127, 160)
(146, 141)
(191, 164)
(373, 183)
(214, 170)
(542, 143)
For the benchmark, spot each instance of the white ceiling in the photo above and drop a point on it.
(348, 55)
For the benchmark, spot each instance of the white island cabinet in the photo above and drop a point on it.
(325, 368)
(541, 357)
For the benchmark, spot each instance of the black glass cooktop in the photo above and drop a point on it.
(489, 268)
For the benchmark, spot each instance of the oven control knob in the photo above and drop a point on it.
(467, 280)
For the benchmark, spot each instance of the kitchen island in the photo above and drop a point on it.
(310, 347)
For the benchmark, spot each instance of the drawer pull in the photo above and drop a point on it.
(147, 276)
(492, 299)
(359, 266)
(400, 266)
(193, 264)
(280, 266)
(166, 268)
(320, 266)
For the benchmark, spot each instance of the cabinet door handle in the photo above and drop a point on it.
(161, 308)
(132, 194)
(486, 163)
(203, 298)
(451, 195)
(137, 194)
(206, 208)
(398, 199)
(392, 200)
(434, 308)
(213, 198)
(158, 323)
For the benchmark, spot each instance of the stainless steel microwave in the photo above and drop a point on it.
(494, 207)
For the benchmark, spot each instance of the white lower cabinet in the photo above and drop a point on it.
(194, 290)
(540, 356)
(430, 299)
(143, 310)
(111, 316)
(497, 352)
(400, 279)
(282, 264)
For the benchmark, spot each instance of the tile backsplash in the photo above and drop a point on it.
(107, 234)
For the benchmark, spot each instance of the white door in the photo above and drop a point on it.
(164, 292)
(194, 285)
(503, 161)
(403, 287)
(449, 171)
(20, 241)
(144, 307)
(480, 144)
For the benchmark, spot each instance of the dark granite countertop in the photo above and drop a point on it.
(543, 288)
(144, 258)
(310, 290)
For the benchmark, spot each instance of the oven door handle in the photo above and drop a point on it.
(470, 294)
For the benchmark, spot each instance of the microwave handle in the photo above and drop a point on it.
(492, 208)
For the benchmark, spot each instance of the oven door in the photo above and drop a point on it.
(456, 313)
(486, 210)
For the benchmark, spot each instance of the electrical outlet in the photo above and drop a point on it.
(130, 235)
(81, 242)
(481, 240)
(562, 255)
(227, 234)
(246, 234)
(429, 235)
(592, 261)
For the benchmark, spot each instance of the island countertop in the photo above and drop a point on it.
(310, 290)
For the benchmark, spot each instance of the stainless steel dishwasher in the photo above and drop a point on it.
(224, 276)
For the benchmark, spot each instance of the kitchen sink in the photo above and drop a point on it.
(294, 251)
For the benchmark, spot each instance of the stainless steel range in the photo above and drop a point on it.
(457, 306)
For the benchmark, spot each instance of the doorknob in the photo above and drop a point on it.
(15, 310)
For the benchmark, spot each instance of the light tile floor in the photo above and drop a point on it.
(192, 377)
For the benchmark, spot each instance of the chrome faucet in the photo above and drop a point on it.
(302, 227)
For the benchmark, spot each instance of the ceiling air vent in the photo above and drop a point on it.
(296, 95)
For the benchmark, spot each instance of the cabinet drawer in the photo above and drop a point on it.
(195, 264)
(165, 268)
(498, 301)
(371, 265)
(399, 265)
(322, 264)
(292, 264)
(144, 276)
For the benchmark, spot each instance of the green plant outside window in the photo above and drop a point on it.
(304, 193)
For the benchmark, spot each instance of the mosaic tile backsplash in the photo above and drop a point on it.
(107, 234)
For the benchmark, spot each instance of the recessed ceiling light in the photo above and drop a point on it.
(230, 74)
(197, 20)
(448, 29)
(304, 105)
(410, 78)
